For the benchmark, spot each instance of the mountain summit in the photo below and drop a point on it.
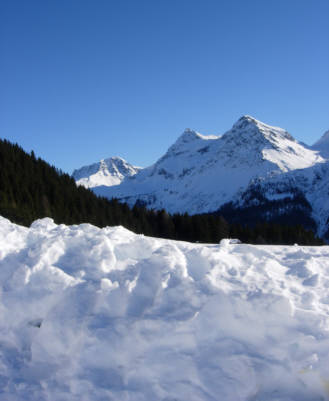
(200, 173)
(106, 172)
(322, 145)
(250, 139)
(249, 126)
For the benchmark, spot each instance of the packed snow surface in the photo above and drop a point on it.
(105, 314)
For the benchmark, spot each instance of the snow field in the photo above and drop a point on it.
(104, 314)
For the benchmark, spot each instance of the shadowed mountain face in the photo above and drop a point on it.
(322, 145)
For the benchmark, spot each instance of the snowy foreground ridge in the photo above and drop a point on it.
(94, 314)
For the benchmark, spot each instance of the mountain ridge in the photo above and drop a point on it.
(209, 173)
(199, 173)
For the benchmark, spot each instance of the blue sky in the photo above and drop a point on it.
(83, 80)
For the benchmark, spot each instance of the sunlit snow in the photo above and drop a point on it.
(106, 172)
(200, 173)
(105, 314)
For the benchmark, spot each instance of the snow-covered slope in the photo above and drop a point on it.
(104, 314)
(200, 173)
(322, 145)
(312, 183)
(107, 172)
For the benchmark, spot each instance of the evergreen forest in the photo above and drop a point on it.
(30, 189)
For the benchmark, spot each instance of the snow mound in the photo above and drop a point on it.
(104, 314)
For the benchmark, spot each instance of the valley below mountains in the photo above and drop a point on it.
(252, 173)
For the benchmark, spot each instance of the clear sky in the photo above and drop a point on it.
(82, 80)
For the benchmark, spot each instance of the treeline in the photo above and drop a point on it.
(274, 234)
(285, 211)
(30, 189)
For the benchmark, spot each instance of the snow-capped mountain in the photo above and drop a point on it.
(251, 165)
(200, 173)
(106, 172)
(322, 145)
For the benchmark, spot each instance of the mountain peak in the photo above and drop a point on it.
(188, 131)
(322, 145)
(250, 126)
(110, 171)
(245, 120)
(188, 141)
(116, 159)
(189, 134)
(323, 140)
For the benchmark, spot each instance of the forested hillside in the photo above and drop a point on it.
(30, 189)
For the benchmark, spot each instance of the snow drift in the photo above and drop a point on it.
(104, 314)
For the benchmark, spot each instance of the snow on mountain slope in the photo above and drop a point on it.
(312, 182)
(199, 173)
(106, 172)
(104, 314)
(322, 145)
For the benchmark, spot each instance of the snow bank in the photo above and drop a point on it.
(104, 314)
